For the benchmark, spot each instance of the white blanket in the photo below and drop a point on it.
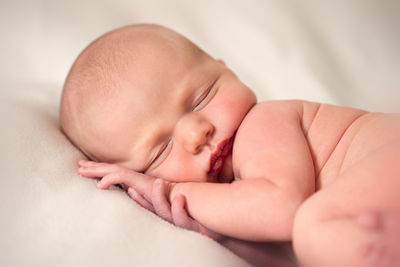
(340, 52)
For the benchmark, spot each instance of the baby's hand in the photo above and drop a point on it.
(147, 191)
(175, 212)
(385, 251)
(110, 174)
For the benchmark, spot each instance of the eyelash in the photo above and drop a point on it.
(161, 155)
(205, 97)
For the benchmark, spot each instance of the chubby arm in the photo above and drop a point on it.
(247, 209)
(276, 174)
(154, 199)
(275, 170)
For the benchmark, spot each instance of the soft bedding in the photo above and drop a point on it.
(339, 52)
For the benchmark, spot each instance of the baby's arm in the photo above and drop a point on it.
(276, 175)
(151, 193)
(256, 253)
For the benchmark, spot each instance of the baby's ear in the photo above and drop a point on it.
(221, 61)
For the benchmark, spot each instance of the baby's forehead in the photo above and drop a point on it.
(168, 91)
(153, 86)
(150, 88)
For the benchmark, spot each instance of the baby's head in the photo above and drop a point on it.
(147, 98)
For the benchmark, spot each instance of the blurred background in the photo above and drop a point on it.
(342, 52)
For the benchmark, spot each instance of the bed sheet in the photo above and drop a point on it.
(339, 52)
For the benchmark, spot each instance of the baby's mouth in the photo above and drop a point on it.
(218, 157)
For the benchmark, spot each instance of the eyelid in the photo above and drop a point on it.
(206, 96)
(161, 155)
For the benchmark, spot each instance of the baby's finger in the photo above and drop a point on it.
(182, 219)
(96, 171)
(140, 182)
(140, 200)
(111, 179)
(89, 163)
(179, 214)
(83, 162)
(160, 203)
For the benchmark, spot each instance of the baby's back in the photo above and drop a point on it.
(349, 136)
(351, 157)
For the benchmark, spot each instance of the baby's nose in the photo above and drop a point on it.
(199, 137)
(194, 132)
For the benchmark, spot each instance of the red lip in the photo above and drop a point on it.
(218, 156)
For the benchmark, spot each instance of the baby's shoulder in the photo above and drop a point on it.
(279, 109)
(268, 119)
(318, 120)
(286, 106)
(306, 112)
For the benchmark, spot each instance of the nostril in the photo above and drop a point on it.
(201, 142)
(195, 148)
(210, 132)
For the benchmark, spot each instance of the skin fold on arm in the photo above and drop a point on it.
(267, 203)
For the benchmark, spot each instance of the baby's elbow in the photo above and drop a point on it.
(276, 208)
(294, 198)
(296, 195)
(290, 203)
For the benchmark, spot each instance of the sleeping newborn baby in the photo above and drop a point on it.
(187, 140)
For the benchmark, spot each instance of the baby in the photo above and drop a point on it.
(188, 141)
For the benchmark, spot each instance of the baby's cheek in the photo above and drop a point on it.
(175, 170)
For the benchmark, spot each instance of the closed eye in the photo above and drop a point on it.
(161, 155)
(205, 97)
